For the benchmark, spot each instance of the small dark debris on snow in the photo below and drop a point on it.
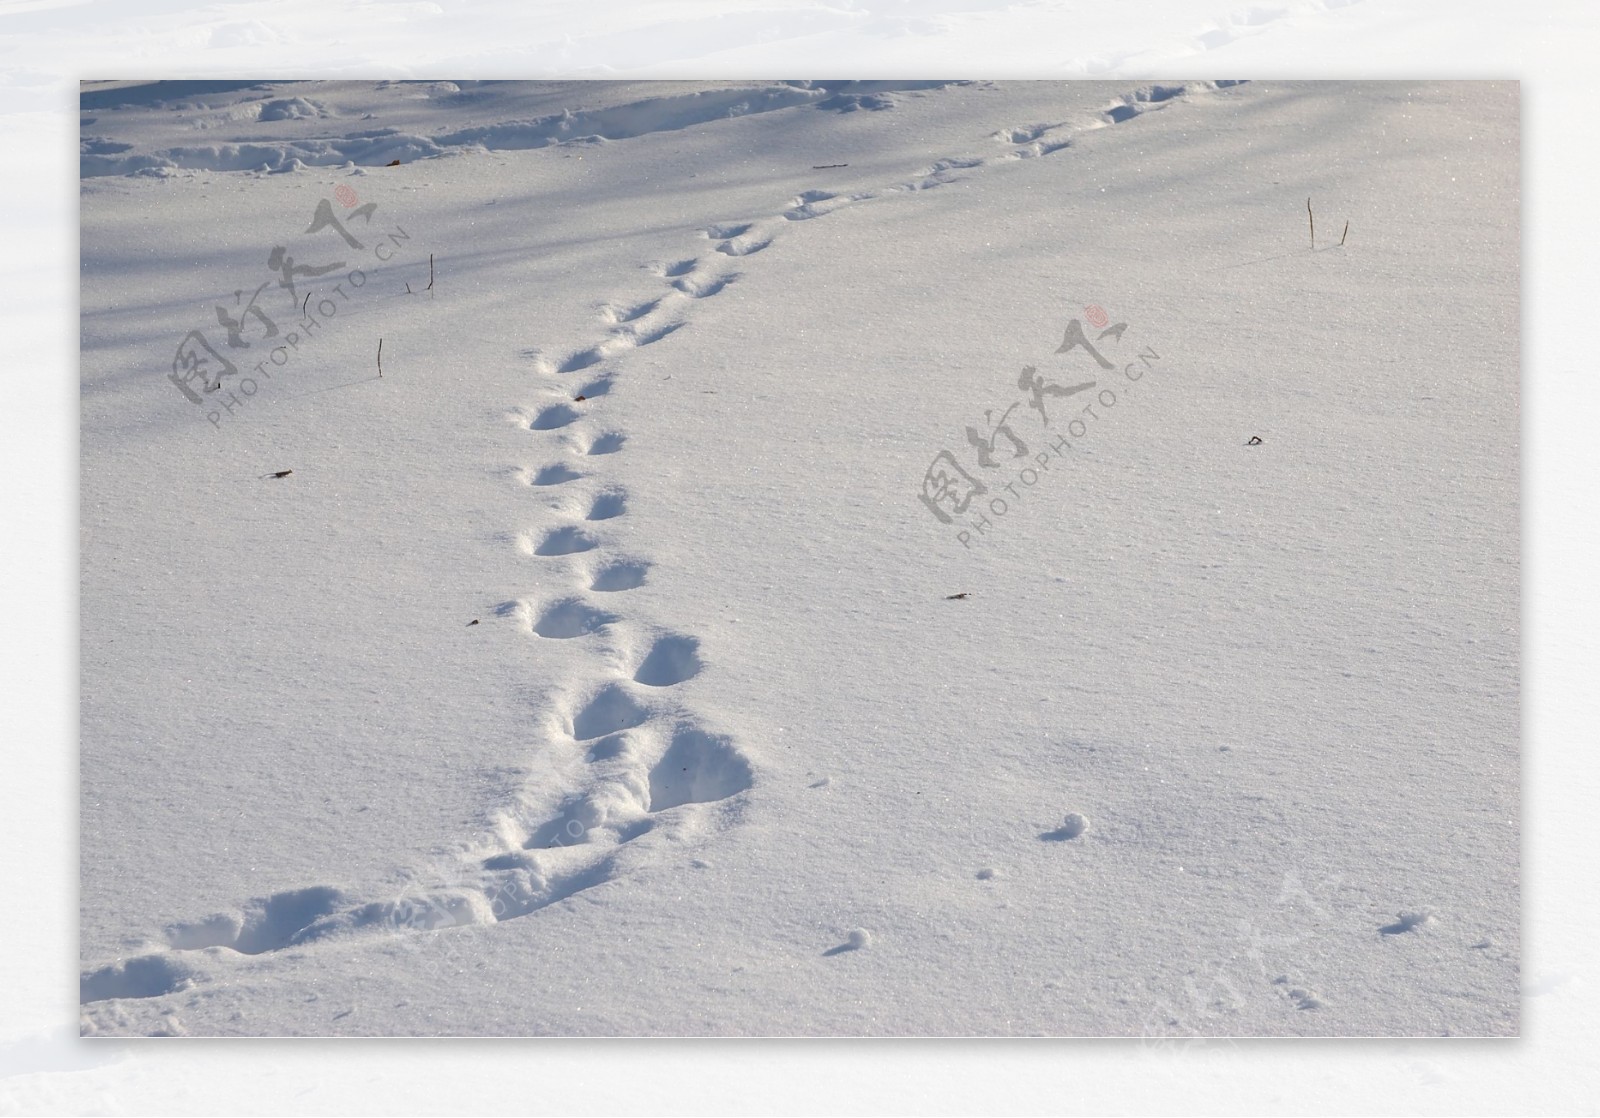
(471, 623)
(828, 166)
(392, 163)
(955, 597)
(280, 473)
(1255, 440)
(579, 399)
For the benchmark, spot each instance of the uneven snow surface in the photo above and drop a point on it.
(902, 558)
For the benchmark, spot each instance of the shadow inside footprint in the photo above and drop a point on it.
(626, 574)
(628, 314)
(742, 248)
(655, 334)
(512, 861)
(148, 976)
(566, 829)
(272, 924)
(552, 418)
(555, 475)
(627, 832)
(607, 748)
(608, 443)
(672, 660)
(267, 923)
(565, 541)
(610, 710)
(581, 360)
(571, 618)
(804, 205)
(1023, 134)
(702, 289)
(608, 505)
(697, 768)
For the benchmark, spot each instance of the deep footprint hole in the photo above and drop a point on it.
(625, 574)
(566, 541)
(571, 618)
(555, 475)
(149, 976)
(267, 923)
(671, 660)
(697, 768)
(629, 314)
(551, 418)
(646, 337)
(607, 748)
(608, 505)
(580, 360)
(611, 710)
(703, 289)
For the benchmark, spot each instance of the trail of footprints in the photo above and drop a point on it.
(635, 757)
(634, 762)
(631, 761)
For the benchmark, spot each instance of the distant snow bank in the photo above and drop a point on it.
(252, 105)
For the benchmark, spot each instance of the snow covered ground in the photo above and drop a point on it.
(49, 46)
(653, 650)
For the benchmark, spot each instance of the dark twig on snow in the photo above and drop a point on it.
(1313, 220)
(380, 357)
